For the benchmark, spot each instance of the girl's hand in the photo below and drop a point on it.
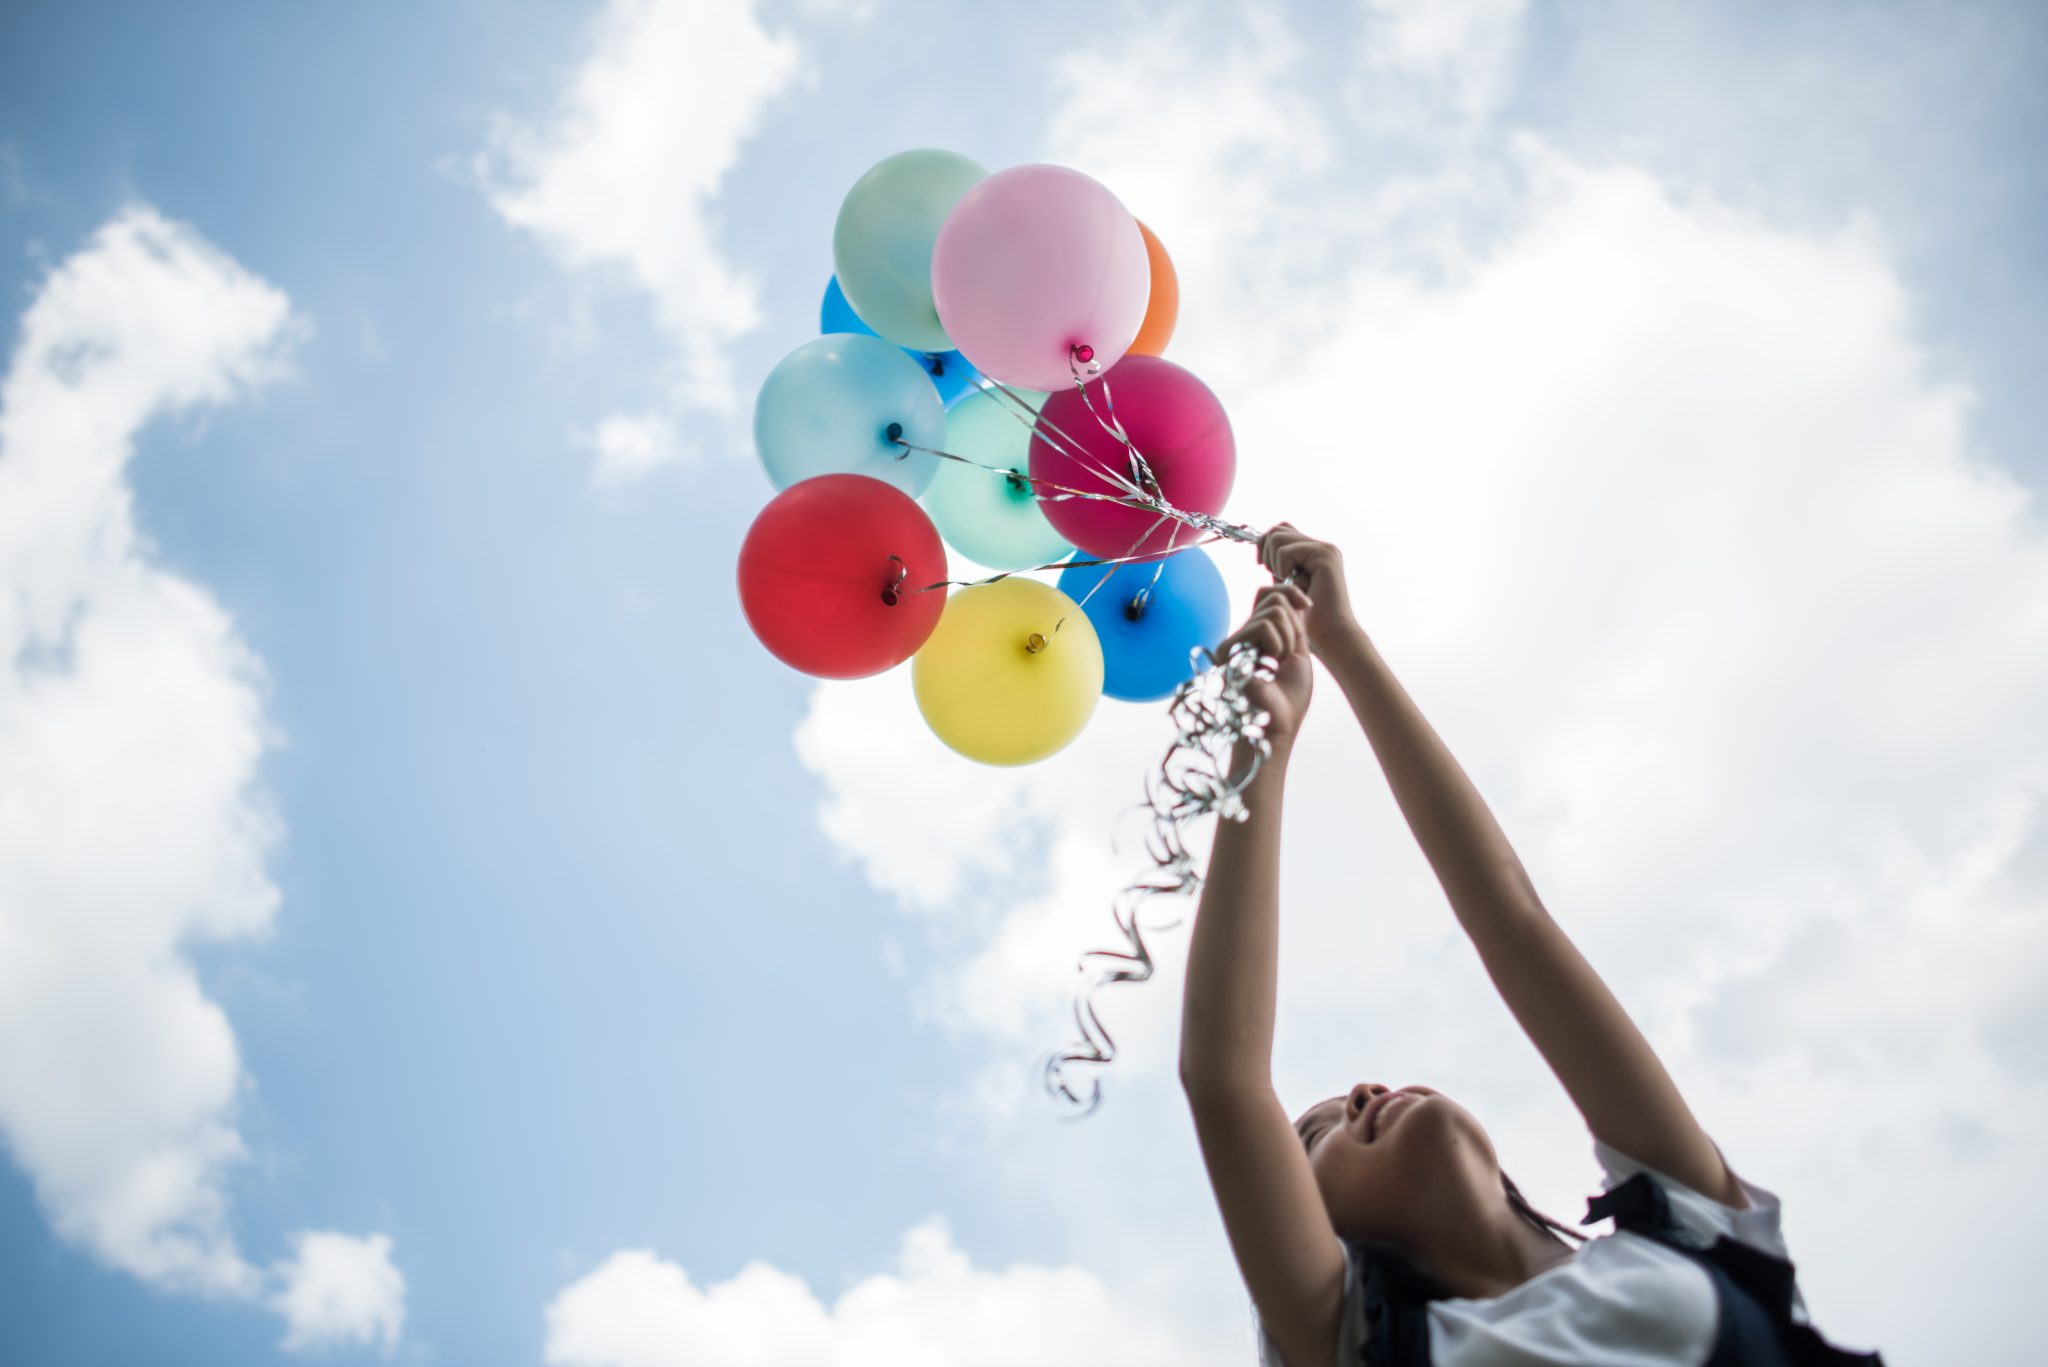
(1319, 568)
(1278, 627)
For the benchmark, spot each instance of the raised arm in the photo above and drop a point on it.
(1279, 1230)
(1603, 1061)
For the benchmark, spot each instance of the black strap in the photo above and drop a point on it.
(1752, 1289)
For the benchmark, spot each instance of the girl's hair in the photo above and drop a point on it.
(1534, 1216)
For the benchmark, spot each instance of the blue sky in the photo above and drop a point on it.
(598, 930)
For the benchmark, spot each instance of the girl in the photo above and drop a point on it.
(1379, 1227)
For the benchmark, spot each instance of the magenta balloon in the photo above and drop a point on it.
(1176, 424)
(1032, 262)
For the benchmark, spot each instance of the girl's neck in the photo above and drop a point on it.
(1507, 1252)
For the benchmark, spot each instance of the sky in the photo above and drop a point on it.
(433, 930)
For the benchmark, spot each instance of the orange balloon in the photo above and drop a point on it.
(1164, 308)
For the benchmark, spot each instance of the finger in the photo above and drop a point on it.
(1285, 625)
(1276, 609)
(1290, 593)
(1298, 559)
(1261, 632)
(1299, 545)
(1285, 559)
(1266, 551)
(1274, 548)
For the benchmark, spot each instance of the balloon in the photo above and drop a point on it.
(986, 693)
(1176, 424)
(882, 243)
(816, 579)
(951, 375)
(991, 520)
(1148, 630)
(1031, 263)
(829, 406)
(1162, 309)
(836, 315)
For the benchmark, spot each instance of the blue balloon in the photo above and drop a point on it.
(951, 373)
(836, 315)
(839, 404)
(1149, 631)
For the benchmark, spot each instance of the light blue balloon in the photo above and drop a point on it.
(951, 373)
(882, 241)
(836, 405)
(1149, 632)
(992, 519)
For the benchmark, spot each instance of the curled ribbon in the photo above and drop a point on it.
(1209, 711)
(1210, 715)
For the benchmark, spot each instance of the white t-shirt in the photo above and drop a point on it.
(1621, 1301)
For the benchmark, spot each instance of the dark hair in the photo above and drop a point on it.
(1521, 1206)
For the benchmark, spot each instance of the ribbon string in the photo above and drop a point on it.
(1210, 711)
(1210, 714)
(1221, 531)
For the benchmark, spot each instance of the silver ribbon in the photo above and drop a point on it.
(1210, 715)
(1209, 711)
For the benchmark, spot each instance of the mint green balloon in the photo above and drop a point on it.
(992, 520)
(882, 244)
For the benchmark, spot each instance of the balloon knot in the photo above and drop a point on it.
(1034, 643)
(894, 432)
(1084, 353)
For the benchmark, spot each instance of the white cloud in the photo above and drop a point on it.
(631, 446)
(638, 1310)
(339, 1290)
(1659, 511)
(132, 824)
(625, 172)
(1213, 149)
(1427, 59)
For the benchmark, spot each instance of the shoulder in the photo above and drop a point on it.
(1385, 1300)
(1756, 1222)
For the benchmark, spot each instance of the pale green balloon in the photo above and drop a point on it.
(991, 519)
(882, 244)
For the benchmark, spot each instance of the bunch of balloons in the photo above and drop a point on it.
(989, 378)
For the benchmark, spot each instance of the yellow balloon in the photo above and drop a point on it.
(997, 684)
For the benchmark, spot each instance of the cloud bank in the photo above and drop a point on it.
(935, 1310)
(132, 823)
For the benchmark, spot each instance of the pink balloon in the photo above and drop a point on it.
(1033, 262)
(1176, 424)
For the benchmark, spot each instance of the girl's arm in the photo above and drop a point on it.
(1279, 1231)
(1605, 1064)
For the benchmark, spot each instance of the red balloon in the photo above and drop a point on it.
(818, 586)
(1176, 424)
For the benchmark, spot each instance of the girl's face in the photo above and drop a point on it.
(1386, 1161)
